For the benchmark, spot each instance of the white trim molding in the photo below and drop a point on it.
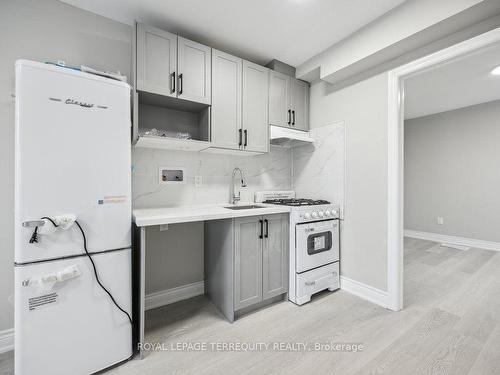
(6, 340)
(395, 174)
(366, 292)
(166, 297)
(454, 240)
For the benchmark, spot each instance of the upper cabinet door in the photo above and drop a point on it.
(194, 71)
(226, 100)
(156, 60)
(300, 104)
(255, 107)
(279, 99)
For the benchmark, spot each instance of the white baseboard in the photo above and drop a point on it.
(6, 340)
(369, 293)
(169, 296)
(455, 240)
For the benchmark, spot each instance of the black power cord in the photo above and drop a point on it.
(97, 277)
(34, 238)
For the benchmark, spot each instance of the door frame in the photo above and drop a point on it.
(395, 186)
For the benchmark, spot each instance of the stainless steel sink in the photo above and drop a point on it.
(243, 207)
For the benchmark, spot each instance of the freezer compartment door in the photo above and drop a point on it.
(72, 326)
(72, 156)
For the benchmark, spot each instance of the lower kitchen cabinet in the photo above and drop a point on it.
(275, 256)
(246, 261)
(248, 246)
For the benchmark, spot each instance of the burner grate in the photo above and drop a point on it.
(296, 202)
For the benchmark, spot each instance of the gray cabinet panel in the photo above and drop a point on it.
(226, 100)
(219, 265)
(194, 70)
(275, 256)
(300, 104)
(255, 107)
(279, 99)
(156, 60)
(247, 262)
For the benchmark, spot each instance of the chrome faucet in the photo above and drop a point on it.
(235, 198)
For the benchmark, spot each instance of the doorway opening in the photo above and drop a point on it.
(441, 174)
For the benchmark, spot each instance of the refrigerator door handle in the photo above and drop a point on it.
(33, 223)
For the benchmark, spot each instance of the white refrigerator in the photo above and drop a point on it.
(72, 159)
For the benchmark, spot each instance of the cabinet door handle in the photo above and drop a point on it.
(267, 228)
(289, 117)
(293, 117)
(180, 84)
(261, 222)
(240, 141)
(246, 138)
(172, 83)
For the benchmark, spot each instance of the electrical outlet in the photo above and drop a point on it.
(163, 227)
(440, 220)
(198, 181)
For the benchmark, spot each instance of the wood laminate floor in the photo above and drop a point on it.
(450, 325)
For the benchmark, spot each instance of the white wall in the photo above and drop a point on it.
(44, 30)
(452, 162)
(363, 108)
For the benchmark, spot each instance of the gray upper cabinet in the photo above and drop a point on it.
(156, 60)
(275, 256)
(172, 66)
(255, 107)
(288, 101)
(299, 104)
(279, 99)
(226, 100)
(240, 100)
(247, 262)
(194, 71)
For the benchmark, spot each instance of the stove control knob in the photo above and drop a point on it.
(314, 214)
(307, 216)
(335, 213)
(321, 214)
(327, 213)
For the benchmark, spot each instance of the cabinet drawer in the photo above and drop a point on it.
(313, 281)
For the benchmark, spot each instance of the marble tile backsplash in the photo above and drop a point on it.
(319, 168)
(271, 171)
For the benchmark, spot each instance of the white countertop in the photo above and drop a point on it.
(144, 217)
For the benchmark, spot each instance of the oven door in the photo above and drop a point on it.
(316, 244)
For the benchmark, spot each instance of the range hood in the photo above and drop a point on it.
(289, 138)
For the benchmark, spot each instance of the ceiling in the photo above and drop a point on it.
(259, 30)
(460, 83)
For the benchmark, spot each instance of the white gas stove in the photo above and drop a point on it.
(314, 244)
